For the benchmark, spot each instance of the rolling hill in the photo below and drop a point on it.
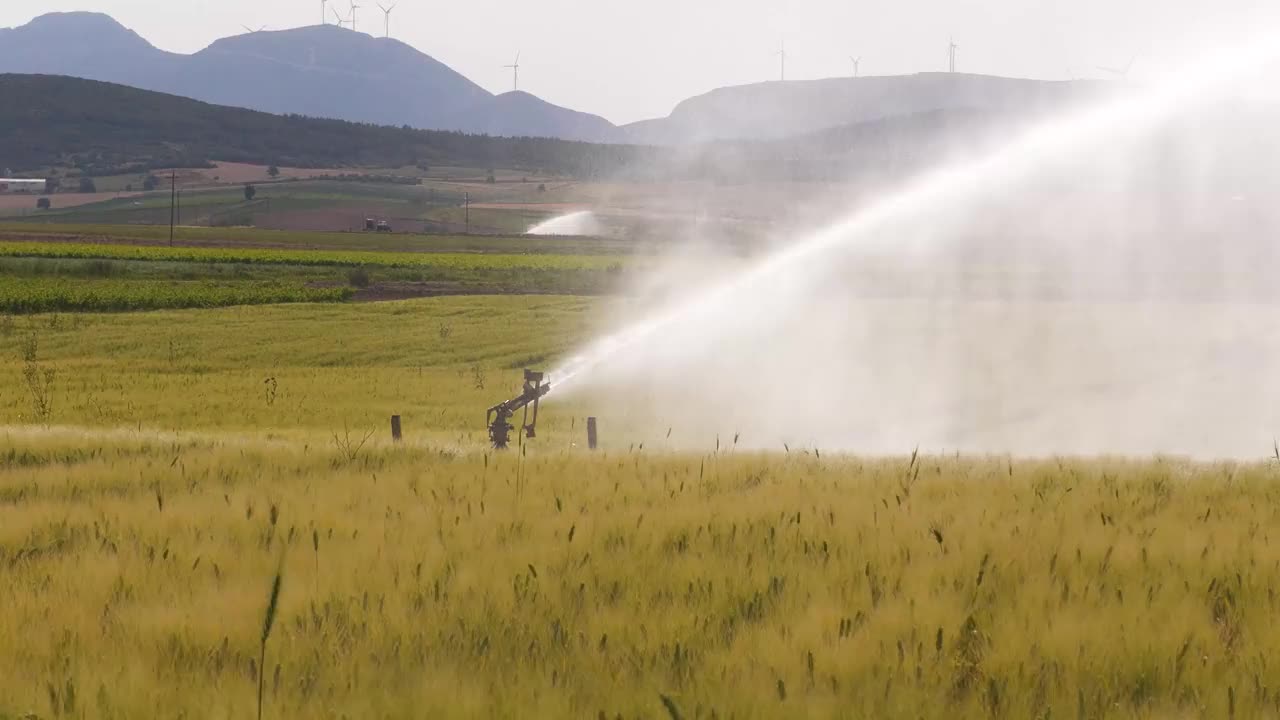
(104, 128)
(776, 110)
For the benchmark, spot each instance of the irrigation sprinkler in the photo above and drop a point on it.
(499, 416)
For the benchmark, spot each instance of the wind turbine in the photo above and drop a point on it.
(951, 52)
(337, 17)
(857, 61)
(251, 30)
(354, 7)
(323, 18)
(387, 12)
(783, 55)
(515, 68)
(1122, 73)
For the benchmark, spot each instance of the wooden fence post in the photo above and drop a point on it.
(395, 428)
(591, 433)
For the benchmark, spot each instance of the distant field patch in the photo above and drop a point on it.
(453, 261)
(105, 276)
(312, 240)
(34, 295)
(556, 208)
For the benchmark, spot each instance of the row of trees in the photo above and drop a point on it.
(44, 203)
(84, 185)
(87, 184)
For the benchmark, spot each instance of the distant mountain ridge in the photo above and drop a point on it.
(329, 72)
(319, 71)
(774, 110)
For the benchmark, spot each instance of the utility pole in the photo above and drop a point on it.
(173, 202)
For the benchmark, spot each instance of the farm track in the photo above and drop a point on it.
(295, 439)
(126, 433)
(407, 290)
(8, 236)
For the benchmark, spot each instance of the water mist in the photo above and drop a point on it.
(1099, 284)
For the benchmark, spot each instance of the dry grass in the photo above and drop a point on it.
(335, 368)
(422, 583)
(434, 579)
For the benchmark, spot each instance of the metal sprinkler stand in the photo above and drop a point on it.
(499, 416)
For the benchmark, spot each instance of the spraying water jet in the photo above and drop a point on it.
(582, 222)
(956, 392)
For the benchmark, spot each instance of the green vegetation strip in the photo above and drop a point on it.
(451, 261)
(32, 295)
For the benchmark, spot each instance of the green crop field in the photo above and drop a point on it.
(42, 272)
(433, 361)
(159, 471)
(445, 261)
(37, 295)
(162, 471)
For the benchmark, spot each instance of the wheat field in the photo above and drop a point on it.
(435, 578)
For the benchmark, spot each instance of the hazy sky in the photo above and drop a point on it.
(633, 59)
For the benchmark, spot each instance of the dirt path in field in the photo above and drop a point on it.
(21, 201)
(352, 245)
(36, 237)
(407, 290)
(299, 438)
(233, 173)
(393, 290)
(536, 207)
(142, 434)
(149, 242)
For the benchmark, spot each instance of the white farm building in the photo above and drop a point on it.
(21, 185)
